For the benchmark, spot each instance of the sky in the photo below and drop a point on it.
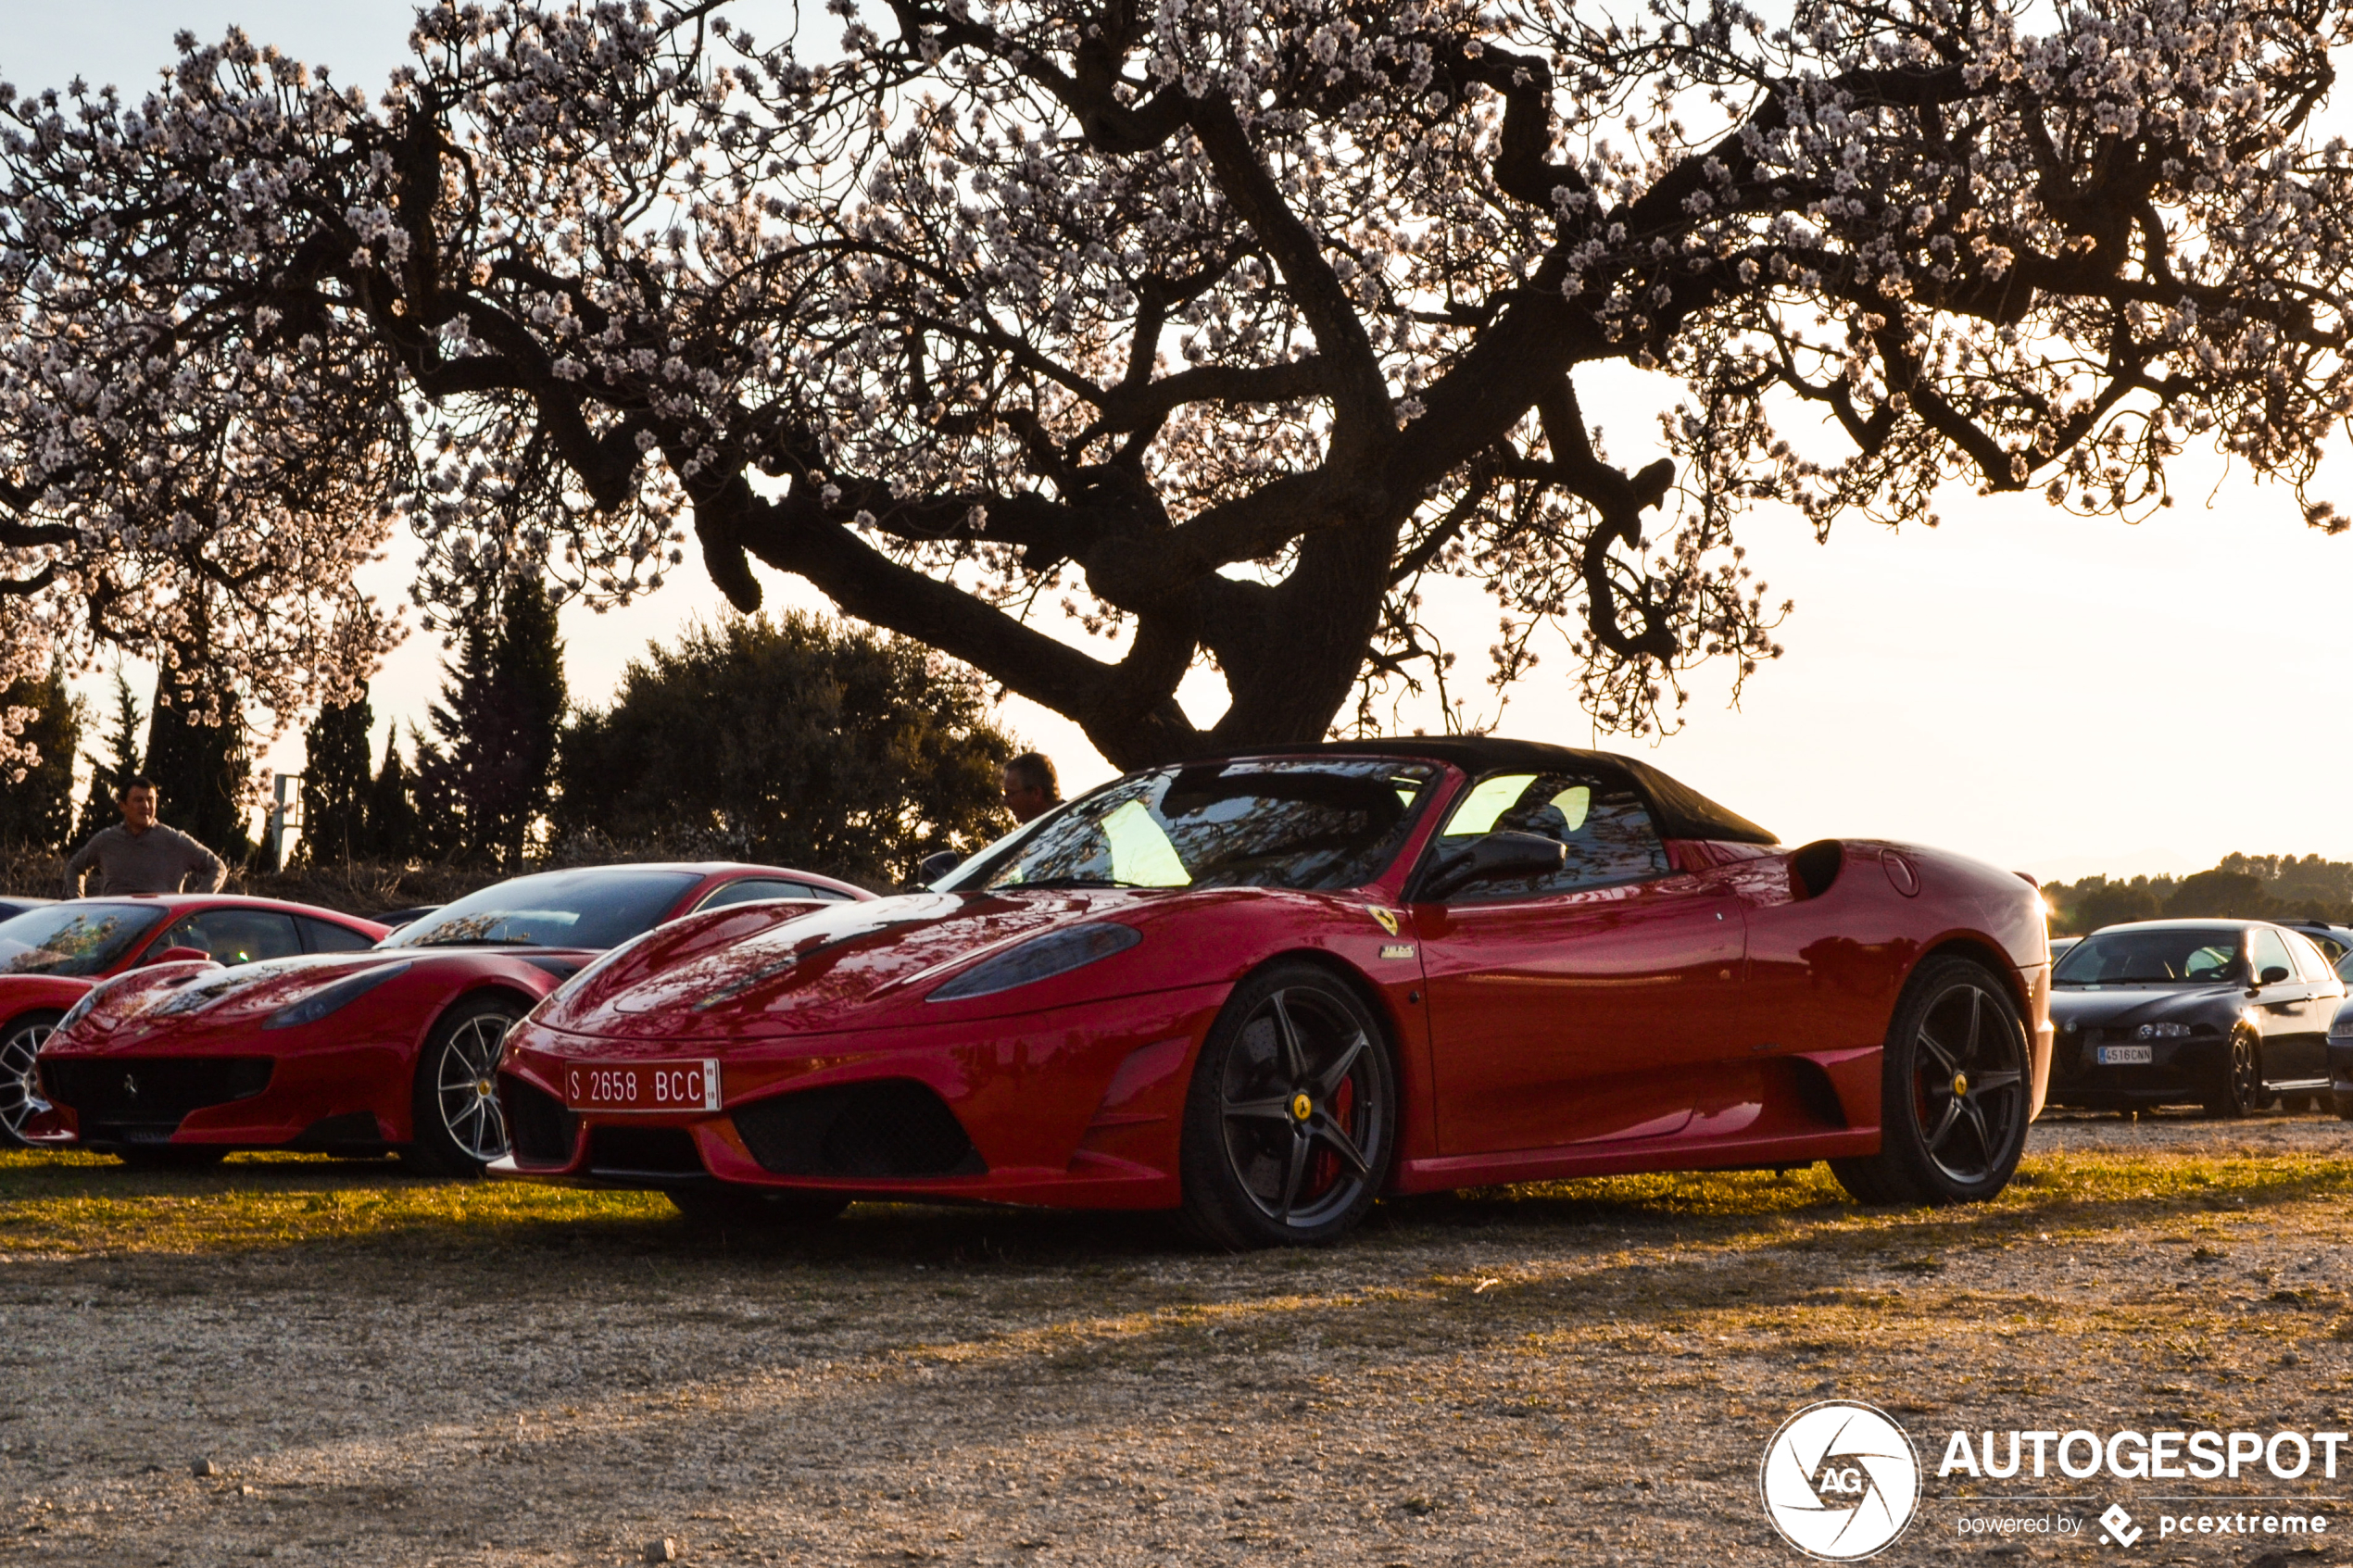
(2057, 695)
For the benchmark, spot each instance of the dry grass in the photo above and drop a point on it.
(393, 1372)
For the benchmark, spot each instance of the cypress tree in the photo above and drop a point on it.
(199, 764)
(121, 763)
(391, 814)
(36, 811)
(489, 779)
(335, 782)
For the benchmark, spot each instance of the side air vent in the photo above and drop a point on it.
(544, 1133)
(1816, 865)
(892, 1127)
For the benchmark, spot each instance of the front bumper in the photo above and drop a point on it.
(243, 1089)
(2341, 1063)
(1080, 1107)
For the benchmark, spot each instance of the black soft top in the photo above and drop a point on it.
(1680, 810)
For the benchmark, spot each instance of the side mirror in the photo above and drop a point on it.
(931, 867)
(181, 955)
(1494, 855)
(2273, 975)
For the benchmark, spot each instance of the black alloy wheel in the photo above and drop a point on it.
(1292, 1114)
(458, 1124)
(20, 1098)
(1954, 1092)
(2240, 1090)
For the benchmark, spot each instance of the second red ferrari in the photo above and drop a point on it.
(358, 1052)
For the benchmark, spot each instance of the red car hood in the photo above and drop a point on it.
(846, 966)
(158, 999)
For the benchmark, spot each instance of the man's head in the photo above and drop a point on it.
(137, 798)
(1031, 789)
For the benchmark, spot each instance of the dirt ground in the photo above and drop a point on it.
(1580, 1374)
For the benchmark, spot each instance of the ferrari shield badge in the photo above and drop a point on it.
(1387, 918)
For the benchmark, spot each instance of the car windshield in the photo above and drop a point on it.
(583, 909)
(2159, 956)
(1309, 826)
(73, 938)
(2344, 967)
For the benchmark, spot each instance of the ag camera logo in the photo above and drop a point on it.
(1840, 1480)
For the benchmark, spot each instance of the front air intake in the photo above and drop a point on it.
(891, 1127)
(142, 1099)
(643, 1151)
(544, 1133)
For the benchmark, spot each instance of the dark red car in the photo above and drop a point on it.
(1267, 988)
(359, 1051)
(52, 954)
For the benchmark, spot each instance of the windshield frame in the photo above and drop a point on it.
(508, 905)
(973, 875)
(72, 908)
(2235, 975)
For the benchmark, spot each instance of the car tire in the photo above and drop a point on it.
(2239, 1091)
(171, 1156)
(1954, 1092)
(20, 1042)
(457, 1125)
(1290, 1122)
(2344, 1105)
(737, 1208)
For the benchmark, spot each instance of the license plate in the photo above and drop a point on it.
(2126, 1056)
(643, 1086)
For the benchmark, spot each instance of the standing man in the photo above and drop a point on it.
(1031, 789)
(141, 855)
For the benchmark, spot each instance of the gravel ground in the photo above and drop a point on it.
(1584, 1373)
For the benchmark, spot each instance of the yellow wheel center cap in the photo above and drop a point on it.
(1960, 1083)
(1301, 1107)
(482, 1088)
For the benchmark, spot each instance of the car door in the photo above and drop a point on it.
(2295, 1040)
(1578, 1005)
(2319, 1011)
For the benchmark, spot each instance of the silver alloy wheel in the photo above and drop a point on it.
(20, 1098)
(1298, 1100)
(1969, 1083)
(466, 1087)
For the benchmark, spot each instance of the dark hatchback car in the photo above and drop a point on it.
(2220, 1014)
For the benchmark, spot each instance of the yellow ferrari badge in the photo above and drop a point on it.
(1387, 918)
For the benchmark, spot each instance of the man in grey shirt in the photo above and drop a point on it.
(141, 855)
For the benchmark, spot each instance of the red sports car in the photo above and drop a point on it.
(358, 1052)
(1267, 988)
(54, 953)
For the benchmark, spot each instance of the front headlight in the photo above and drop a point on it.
(327, 998)
(2161, 1032)
(1041, 958)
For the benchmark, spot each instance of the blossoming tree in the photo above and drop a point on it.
(1227, 323)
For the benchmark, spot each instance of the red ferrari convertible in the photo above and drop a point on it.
(358, 1052)
(53, 954)
(1266, 989)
